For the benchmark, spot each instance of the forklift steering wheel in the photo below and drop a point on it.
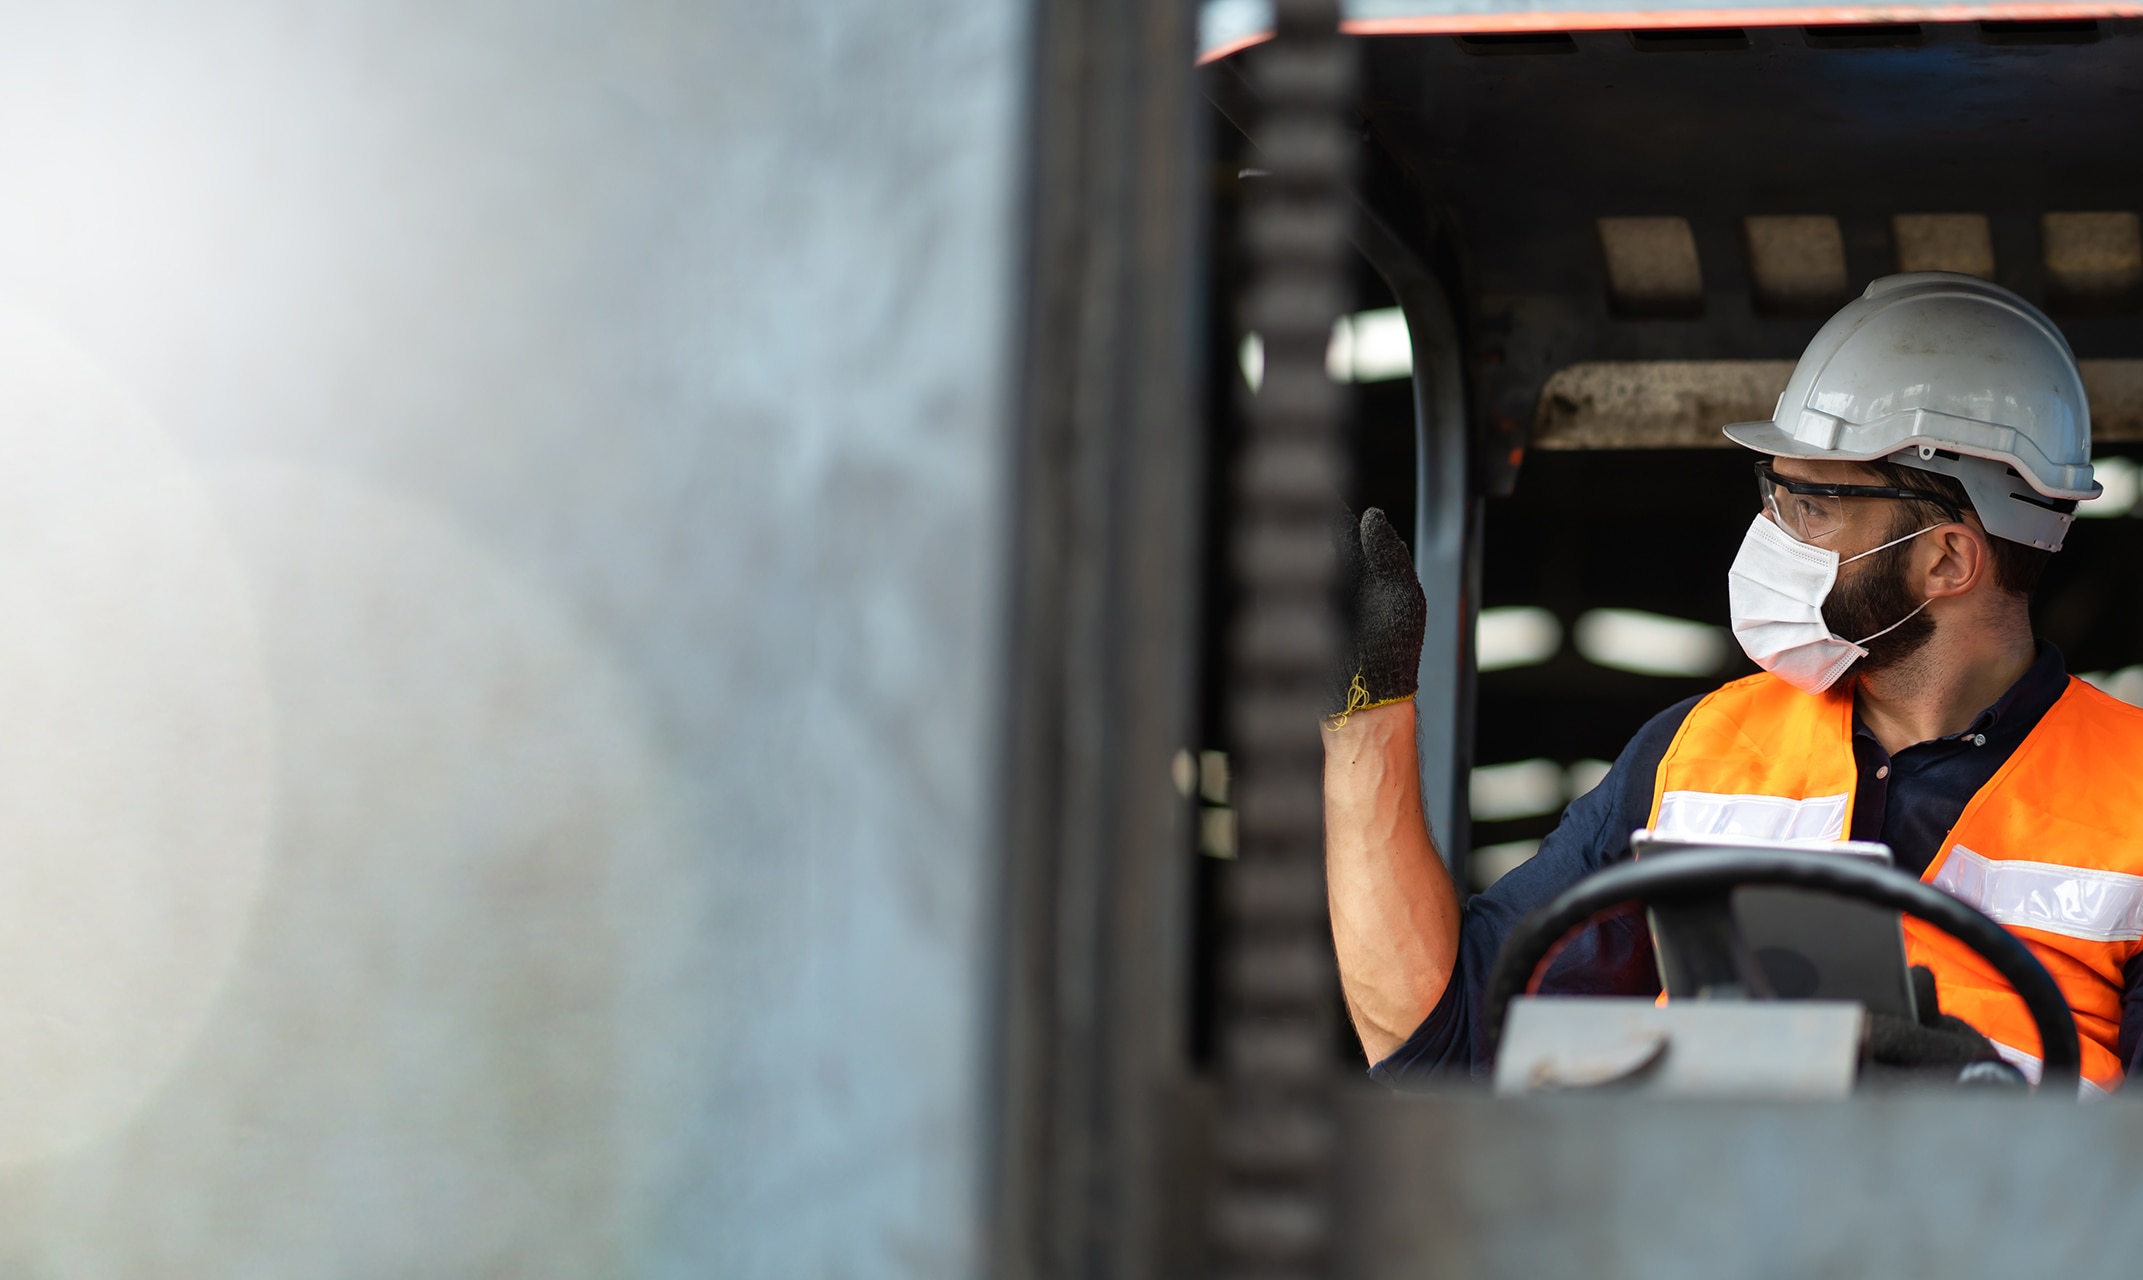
(1702, 875)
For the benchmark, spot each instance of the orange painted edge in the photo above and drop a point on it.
(1446, 24)
(1235, 46)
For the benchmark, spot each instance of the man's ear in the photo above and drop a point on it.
(1962, 560)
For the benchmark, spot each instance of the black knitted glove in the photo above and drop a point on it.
(1948, 1042)
(1386, 613)
(1938, 1045)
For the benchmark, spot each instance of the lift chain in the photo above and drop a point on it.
(1275, 1131)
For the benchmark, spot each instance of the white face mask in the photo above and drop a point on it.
(1775, 591)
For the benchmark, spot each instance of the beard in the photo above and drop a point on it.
(1876, 597)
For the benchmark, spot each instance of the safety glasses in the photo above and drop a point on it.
(1809, 511)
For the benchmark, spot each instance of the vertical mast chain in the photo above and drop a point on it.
(1275, 1131)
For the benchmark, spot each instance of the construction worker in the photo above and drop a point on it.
(1924, 462)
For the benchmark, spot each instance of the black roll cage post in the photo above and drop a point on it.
(1446, 536)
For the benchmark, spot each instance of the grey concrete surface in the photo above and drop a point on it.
(1906, 1185)
(500, 546)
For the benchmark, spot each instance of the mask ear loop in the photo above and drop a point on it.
(1862, 643)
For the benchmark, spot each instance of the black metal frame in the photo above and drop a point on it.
(1447, 533)
(1521, 153)
(1096, 1110)
(1456, 460)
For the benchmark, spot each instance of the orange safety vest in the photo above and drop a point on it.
(2051, 847)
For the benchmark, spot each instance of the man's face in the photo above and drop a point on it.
(1876, 592)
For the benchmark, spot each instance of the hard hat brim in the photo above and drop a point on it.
(1766, 437)
(1769, 437)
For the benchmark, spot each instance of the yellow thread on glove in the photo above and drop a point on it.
(1358, 700)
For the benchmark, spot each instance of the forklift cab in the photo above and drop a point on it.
(1610, 233)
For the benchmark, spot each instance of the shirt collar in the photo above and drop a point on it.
(2031, 697)
(2019, 709)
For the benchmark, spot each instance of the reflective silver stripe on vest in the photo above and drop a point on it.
(2099, 906)
(1695, 814)
(2031, 1067)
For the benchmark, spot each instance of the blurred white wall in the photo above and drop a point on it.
(500, 519)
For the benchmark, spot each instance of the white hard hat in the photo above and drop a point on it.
(1946, 373)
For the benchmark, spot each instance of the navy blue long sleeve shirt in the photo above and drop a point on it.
(1908, 800)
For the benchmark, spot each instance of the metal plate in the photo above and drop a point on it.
(1798, 1049)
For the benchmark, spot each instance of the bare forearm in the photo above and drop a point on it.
(1394, 911)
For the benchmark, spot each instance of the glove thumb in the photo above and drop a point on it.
(1383, 548)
